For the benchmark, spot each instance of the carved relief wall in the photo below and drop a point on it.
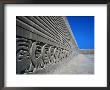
(42, 40)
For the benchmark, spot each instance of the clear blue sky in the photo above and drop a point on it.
(83, 30)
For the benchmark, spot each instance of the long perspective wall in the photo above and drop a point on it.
(42, 40)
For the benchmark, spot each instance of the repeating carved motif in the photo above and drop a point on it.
(41, 40)
(34, 55)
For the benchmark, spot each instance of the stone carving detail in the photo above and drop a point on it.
(41, 40)
(22, 54)
(34, 55)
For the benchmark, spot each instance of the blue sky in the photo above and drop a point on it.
(83, 30)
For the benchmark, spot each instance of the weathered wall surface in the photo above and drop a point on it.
(42, 41)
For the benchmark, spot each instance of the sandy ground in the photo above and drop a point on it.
(80, 64)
